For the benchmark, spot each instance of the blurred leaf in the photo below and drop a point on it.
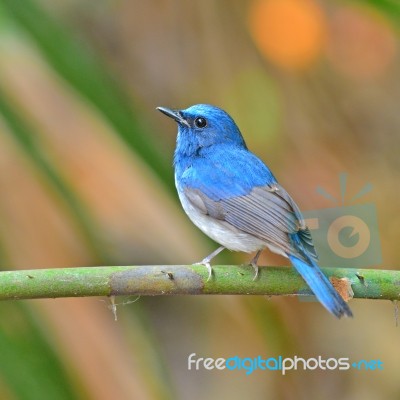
(272, 326)
(77, 64)
(150, 356)
(253, 99)
(390, 7)
(4, 257)
(29, 366)
(26, 138)
(80, 68)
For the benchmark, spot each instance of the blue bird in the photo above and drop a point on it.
(233, 197)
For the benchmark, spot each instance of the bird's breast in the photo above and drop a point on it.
(220, 231)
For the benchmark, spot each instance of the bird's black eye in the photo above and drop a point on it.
(200, 122)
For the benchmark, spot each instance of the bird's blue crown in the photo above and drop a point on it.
(203, 126)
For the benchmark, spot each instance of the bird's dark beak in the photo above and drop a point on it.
(174, 114)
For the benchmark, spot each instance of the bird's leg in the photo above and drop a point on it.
(253, 263)
(206, 261)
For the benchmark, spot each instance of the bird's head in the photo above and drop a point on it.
(202, 126)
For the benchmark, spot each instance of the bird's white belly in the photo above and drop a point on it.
(220, 231)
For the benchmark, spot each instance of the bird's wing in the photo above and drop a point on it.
(266, 212)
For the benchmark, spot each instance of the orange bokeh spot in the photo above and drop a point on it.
(290, 33)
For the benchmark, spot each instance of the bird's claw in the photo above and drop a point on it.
(206, 263)
(255, 266)
(253, 263)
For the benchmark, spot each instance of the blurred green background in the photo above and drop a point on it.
(86, 179)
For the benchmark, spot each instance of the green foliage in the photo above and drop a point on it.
(76, 63)
(30, 367)
(28, 142)
(390, 7)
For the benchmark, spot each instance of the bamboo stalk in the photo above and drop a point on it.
(185, 280)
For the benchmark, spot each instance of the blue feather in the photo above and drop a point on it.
(317, 281)
(219, 178)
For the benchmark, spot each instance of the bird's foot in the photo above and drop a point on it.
(206, 261)
(253, 263)
(207, 264)
(255, 266)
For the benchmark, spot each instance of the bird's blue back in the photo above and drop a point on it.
(224, 171)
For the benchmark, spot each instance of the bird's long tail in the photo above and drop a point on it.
(320, 285)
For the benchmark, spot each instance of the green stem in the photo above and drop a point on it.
(185, 279)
